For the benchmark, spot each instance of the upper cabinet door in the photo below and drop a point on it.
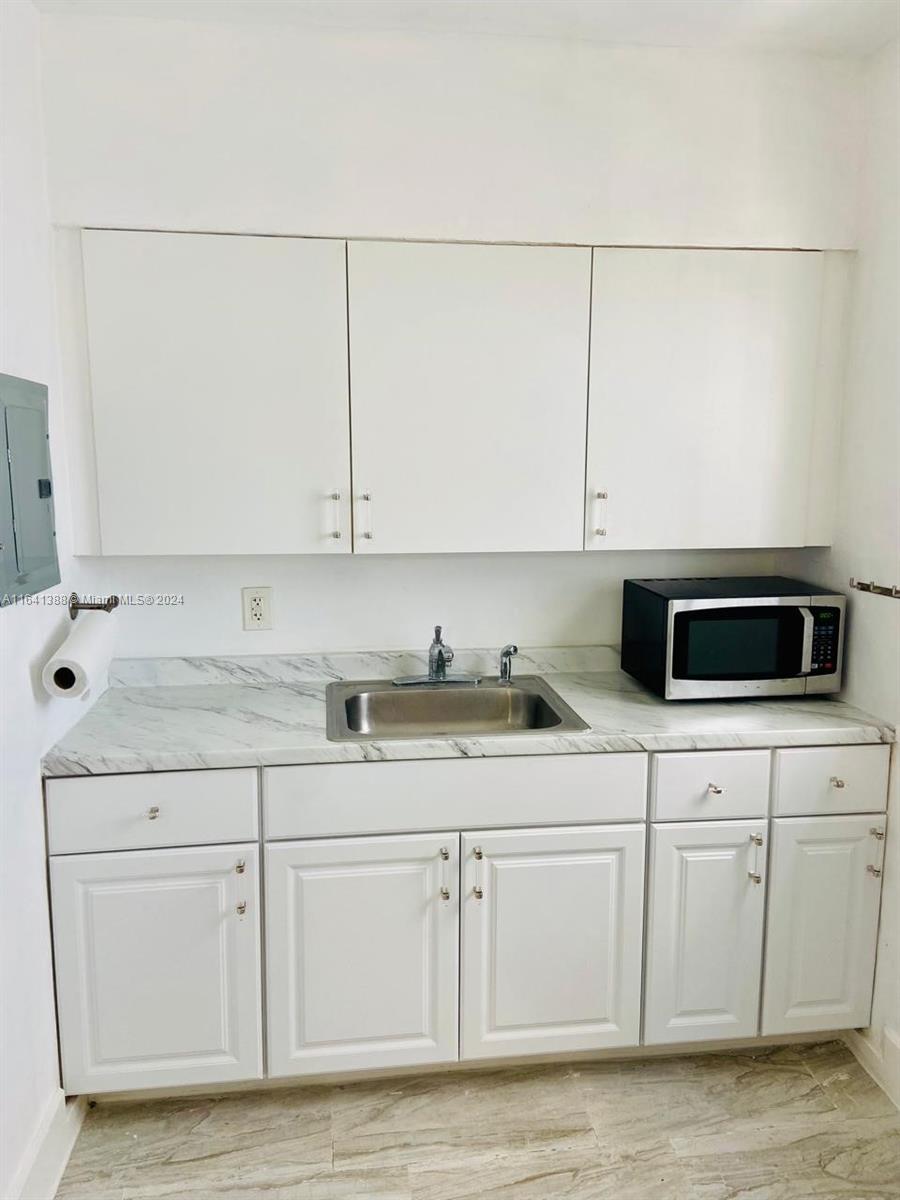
(469, 389)
(702, 397)
(219, 390)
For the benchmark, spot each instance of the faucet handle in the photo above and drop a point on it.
(438, 635)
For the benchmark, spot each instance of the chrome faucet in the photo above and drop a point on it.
(506, 656)
(440, 656)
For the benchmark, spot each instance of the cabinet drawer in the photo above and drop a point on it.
(705, 786)
(830, 779)
(133, 812)
(330, 800)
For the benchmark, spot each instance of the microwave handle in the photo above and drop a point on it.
(806, 654)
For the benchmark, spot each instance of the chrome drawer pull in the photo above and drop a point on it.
(445, 858)
(876, 871)
(754, 876)
(240, 867)
(878, 834)
(153, 813)
(478, 890)
(836, 783)
(242, 908)
(715, 790)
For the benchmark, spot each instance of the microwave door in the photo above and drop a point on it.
(739, 648)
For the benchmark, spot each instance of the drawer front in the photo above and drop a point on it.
(830, 779)
(135, 812)
(706, 786)
(333, 799)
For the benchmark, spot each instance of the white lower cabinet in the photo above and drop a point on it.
(822, 926)
(704, 930)
(552, 923)
(158, 967)
(362, 938)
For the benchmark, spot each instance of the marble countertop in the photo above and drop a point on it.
(185, 714)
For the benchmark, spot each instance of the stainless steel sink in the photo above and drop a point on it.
(376, 710)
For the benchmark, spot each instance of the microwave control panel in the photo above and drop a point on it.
(826, 625)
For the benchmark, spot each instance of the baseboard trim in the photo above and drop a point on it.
(884, 1067)
(45, 1159)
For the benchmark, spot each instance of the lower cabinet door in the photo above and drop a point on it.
(824, 897)
(551, 939)
(362, 939)
(704, 930)
(157, 967)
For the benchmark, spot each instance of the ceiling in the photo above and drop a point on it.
(829, 27)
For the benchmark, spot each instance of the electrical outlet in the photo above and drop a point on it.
(256, 603)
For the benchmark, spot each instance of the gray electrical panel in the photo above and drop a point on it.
(28, 561)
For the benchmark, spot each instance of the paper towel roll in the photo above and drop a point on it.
(82, 661)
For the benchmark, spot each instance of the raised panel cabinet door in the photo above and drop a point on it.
(362, 953)
(702, 397)
(552, 922)
(219, 393)
(704, 930)
(822, 927)
(469, 392)
(158, 967)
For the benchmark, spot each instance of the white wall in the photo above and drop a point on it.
(211, 126)
(29, 1079)
(390, 602)
(234, 127)
(867, 540)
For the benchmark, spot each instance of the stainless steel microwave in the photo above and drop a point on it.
(699, 639)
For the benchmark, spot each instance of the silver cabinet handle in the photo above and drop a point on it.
(153, 813)
(445, 858)
(478, 890)
(242, 908)
(336, 497)
(836, 783)
(714, 789)
(601, 497)
(240, 866)
(756, 841)
(367, 533)
(876, 871)
(878, 834)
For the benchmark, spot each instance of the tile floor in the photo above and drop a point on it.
(791, 1123)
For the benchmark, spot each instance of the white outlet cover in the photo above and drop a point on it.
(256, 605)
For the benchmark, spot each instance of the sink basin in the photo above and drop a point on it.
(370, 710)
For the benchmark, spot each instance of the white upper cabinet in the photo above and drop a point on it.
(702, 398)
(219, 393)
(469, 389)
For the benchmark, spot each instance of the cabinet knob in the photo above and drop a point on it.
(878, 834)
(754, 876)
(876, 871)
(478, 892)
(240, 866)
(714, 789)
(153, 813)
(445, 893)
(836, 783)
(756, 839)
(242, 908)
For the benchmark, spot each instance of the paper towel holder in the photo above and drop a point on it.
(76, 606)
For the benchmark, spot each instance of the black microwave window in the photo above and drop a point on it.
(738, 643)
